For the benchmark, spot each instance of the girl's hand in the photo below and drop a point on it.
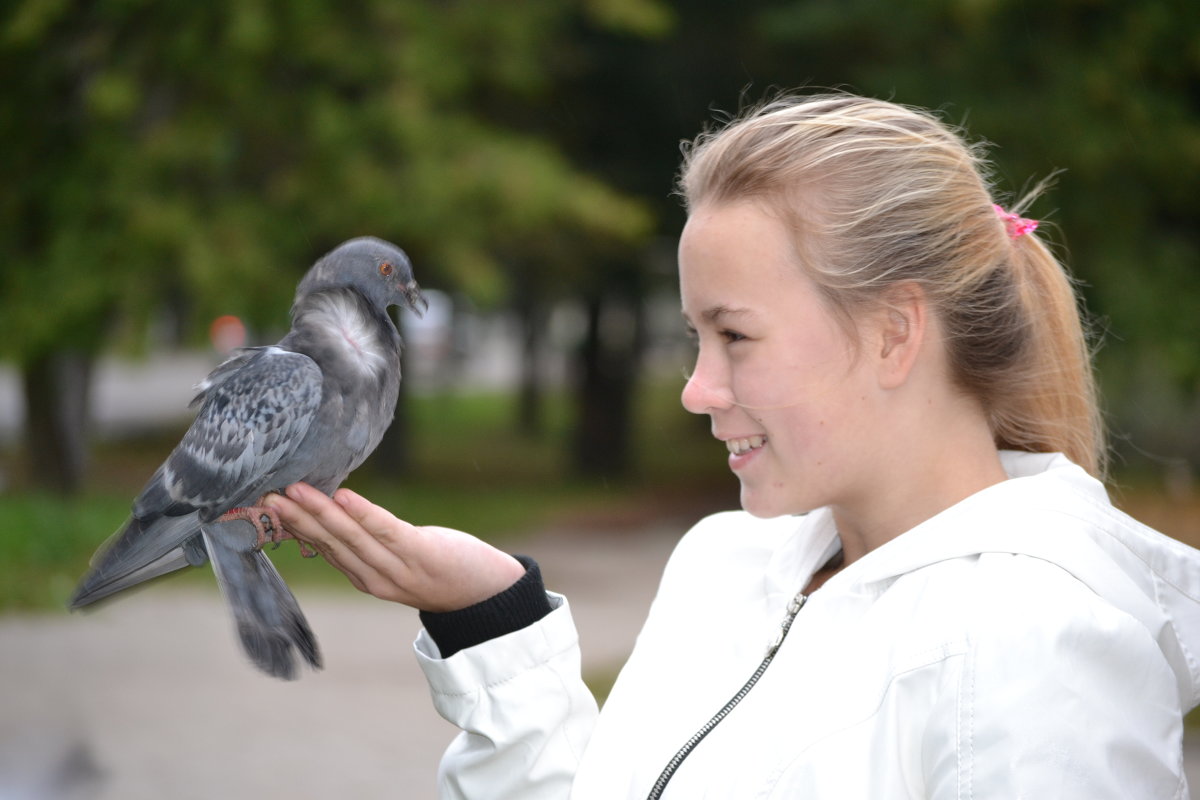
(426, 567)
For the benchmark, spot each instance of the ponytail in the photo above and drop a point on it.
(1050, 401)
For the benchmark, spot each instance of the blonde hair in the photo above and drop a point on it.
(892, 195)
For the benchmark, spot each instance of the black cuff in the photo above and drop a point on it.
(518, 606)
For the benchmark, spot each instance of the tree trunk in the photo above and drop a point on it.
(605, 387)
(529, 392)
(57, 387)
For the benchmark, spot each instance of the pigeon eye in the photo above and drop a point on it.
(386, 269)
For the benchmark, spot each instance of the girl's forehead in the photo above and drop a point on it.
(737, 257)
(738, 233)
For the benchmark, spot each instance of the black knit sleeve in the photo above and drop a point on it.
(518, 606)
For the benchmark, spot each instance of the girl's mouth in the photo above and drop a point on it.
(739, 447)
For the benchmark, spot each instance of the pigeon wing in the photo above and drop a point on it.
(255, 410)
(253, 416)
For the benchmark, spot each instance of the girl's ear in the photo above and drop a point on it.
(903, 322)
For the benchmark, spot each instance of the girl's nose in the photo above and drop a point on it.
(705, 391)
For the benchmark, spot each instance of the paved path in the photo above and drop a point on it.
(149, 698)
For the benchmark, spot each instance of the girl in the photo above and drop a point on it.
(927, 594)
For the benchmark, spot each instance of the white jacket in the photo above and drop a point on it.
(1031, 641)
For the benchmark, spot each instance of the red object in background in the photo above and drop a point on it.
(227, 333)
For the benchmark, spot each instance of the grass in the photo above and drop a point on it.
(45, 543)
(470, 470)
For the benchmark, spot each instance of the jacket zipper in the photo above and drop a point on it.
(660, 785)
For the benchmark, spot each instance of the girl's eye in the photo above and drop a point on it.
(728, 335)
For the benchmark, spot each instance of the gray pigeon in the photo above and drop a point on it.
(310, 408)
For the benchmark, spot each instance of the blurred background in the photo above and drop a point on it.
(170, 169)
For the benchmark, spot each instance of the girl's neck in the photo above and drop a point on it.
(924, 480)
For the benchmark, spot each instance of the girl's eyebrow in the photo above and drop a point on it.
(717, 312)
(713, 314)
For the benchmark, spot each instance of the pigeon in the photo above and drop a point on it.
(310, 408)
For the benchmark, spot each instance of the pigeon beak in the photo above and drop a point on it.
(416, 301)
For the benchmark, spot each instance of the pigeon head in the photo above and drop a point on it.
(379, 270)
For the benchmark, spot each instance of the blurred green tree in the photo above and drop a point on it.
(203, 154)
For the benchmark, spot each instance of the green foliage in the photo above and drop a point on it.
(208, 151)
(45, 543)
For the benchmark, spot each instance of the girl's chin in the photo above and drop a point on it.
(766, 505)
(756, 505)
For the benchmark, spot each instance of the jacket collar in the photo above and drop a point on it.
(1053, 510)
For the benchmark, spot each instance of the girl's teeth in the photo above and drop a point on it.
(739, 446)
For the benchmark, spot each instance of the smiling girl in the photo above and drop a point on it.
(927, 594)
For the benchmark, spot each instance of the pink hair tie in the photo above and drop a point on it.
(1016, 225)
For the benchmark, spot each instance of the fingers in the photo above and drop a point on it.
(377, 537)
(312, 517)
(379, 522)
(431, 568)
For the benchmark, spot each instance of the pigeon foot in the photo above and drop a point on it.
(266, 522)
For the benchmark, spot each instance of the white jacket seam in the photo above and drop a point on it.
(971, 725)
(1107, 512)
(484, 687)
(1156, 579)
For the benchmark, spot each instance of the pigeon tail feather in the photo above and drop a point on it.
(269, 621)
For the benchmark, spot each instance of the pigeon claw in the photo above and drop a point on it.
(266, 523)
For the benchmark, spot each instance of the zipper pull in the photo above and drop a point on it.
(793, 608)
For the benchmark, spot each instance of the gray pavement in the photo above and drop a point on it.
(150, 697)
